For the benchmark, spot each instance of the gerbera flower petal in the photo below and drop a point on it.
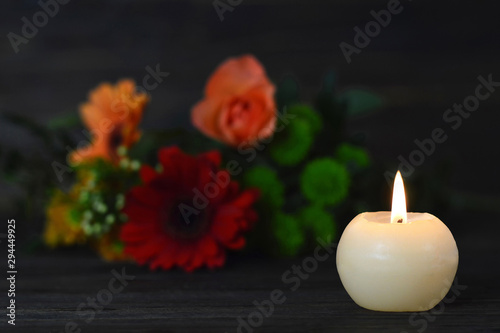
(213, 156)
(196, 262)
(178, 167)
(158, 232)
(140, 213)
(166, 258)
(208, 246)
(246, 198)
(217, 260)
(147, 173)
(146, 250)
(236, 243)
(149, 196)
(225, 227)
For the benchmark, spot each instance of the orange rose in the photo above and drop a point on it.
(112, 114)
(239, 107)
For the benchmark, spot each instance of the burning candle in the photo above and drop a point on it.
(397, 261)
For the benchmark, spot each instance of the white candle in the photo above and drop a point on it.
(397, 261)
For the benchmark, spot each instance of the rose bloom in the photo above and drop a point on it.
(186, 215)
(238, 108)
(112, 115)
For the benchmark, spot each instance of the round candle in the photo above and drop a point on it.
(397, 261)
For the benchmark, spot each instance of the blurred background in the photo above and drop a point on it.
(427, 58)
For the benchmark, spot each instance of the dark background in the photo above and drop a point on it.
(427, 59)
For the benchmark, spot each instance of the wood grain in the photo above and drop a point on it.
(52, 285)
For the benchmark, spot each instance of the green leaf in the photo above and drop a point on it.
(333, 112)
(287, 92)
(64, 121)
(65, 139)
(360, 101)
(329, 82)
(288, 233)
(146, 148)
(13, 164)
(30, 125)
(353, 157)
(166, 136)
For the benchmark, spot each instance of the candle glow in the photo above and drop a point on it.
(398, 211)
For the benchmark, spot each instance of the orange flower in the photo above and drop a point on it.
(112, 114)
(239, 107)
(61, 228)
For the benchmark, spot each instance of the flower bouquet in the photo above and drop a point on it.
(262, 170)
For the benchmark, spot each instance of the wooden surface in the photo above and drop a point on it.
(52, 285)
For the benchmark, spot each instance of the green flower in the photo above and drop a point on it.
(325, 181)
(288, 234)
(293, 143)
(270, 186)
(319, 221)
(306, 113)
(349, 154)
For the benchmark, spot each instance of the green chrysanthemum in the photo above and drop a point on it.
(307, 114)
(325, 181)
(268, 183)
(292, 145)
(320, 222)
(288, 234)
(349, 154)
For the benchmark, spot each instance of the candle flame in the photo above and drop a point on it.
(398, 212)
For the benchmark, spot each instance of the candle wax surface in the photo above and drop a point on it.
(397, 266)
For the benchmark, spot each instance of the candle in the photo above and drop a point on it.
(397, 261)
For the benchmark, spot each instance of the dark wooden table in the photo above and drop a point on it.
(51, 287)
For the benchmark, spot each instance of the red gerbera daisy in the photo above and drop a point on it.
(187, 214)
